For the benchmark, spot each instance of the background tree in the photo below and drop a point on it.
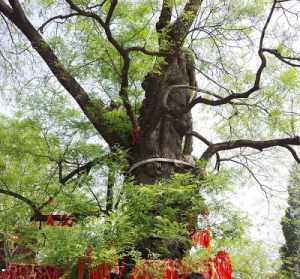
(290, 252)
(105, 55)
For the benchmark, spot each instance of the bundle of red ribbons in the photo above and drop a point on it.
(18, 271)
(219, 267)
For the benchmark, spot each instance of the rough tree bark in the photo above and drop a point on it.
(164, 122)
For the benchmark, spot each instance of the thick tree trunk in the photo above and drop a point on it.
(164, 124)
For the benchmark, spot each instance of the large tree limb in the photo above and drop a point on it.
(259, 145)
(179, 29)
(94, 111)
(165, 15)
(124, 53)
(208, 143)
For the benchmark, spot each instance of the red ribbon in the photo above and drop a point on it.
(50, 220)
(202, 238)
(223, 265)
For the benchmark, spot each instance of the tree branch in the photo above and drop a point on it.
(41, 28)
(208, 143)
(94, 111)
(5, 9)
(84, 168)
(261, 186)
(256, 85)
(111, 11)
(122, 51)
(146, 51)
(259, 145)
(285, 59)
(180, 28)
(165, 15)
(293, 152)
(30, 203)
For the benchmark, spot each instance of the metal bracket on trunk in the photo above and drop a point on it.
(165, 160)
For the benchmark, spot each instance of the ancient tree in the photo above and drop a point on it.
(160, 136)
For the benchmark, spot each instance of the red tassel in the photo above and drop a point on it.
(50, 220)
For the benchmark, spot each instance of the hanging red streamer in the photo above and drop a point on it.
(80, 268)
(202, 238)
(50, 220)
(16, 271)
(222, 265)
(102, 271)
(170, 270)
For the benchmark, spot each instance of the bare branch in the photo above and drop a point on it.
(261, 186)
(293, 152)
(287, 60)
(259, 145)
(41, 28)
(256, 85)
(111, 11)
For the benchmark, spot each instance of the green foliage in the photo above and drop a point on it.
(118, 120)
(290, 78)
(291, 229)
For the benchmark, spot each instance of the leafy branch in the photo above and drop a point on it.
(93, 110)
